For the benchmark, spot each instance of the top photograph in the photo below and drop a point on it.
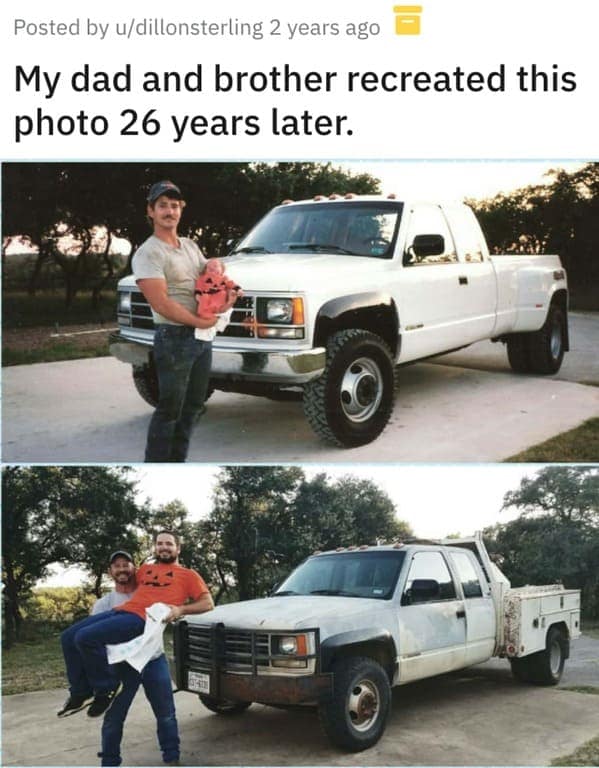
(283, 312)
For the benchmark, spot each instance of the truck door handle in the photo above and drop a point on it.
(461, 614)
(463, 280)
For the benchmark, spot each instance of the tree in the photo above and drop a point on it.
(560, 217)
(266, 520)
(556, 537)
(61, 207)
(67, 515)
(249, 518)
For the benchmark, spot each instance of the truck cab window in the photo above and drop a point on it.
(467, 574)
(428, 567)
(428, 220)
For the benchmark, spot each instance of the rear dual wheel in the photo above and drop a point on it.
(541, 351)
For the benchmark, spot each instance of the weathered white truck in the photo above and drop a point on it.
(340, 291)
(349, 624)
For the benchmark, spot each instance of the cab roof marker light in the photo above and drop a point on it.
(364, 546)
(398, 545)
(319, 197)
(349, 196)
(286, 202)
(392, 196)
(340, 549)
(334, 196)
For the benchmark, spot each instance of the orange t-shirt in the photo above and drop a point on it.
(164, 583)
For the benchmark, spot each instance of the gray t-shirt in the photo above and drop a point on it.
(179, 266)
(110, 601)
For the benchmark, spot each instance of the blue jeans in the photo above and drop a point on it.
(84, 649)
(183, 368)
(156, 681)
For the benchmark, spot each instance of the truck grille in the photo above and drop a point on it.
(242, 324)
(237, 651)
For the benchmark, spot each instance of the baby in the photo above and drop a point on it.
(212, 290)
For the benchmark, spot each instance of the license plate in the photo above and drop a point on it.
(198, 682)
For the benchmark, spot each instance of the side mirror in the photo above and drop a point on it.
(423, 246)
(423, 591)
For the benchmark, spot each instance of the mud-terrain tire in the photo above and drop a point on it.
(146, 383)
(350, 404)
(544, 667)
(521, 669)
(223, 706)
(517, 353)
(549, 664)
(547, 346)
(354, 716)
(541, 351)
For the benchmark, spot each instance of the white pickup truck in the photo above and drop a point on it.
(349, 624)
(341, 290)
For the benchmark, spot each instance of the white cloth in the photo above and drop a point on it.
(144, 647)
(208, 334)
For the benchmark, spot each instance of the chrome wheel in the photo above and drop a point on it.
(363, 705)
(361, 390)
(555, 657)
(555, 343)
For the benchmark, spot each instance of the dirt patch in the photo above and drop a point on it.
(19, 344)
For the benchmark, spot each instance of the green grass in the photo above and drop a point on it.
(37, 664)
(52, 352)
(592, 689)
(587, 754)
(19, 310)
(576, 445)
(591, 629)
(34, 665)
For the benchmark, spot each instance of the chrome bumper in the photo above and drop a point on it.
(276, 367)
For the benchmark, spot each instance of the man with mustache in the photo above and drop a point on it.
(166, 268)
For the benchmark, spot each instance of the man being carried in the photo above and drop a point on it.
(84, 643)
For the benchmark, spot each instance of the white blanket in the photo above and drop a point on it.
(208, 334)
(146, 646)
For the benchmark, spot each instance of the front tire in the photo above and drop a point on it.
(223, 706)
(355, 715)
(146, 383)
(350, 404)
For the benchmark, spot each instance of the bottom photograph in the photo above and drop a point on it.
(300, 615)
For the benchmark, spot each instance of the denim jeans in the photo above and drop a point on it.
(84, 649)
(183, 367)
(156, 680)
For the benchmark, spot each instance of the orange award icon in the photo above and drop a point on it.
(407, 19)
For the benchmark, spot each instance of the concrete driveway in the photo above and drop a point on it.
(467, 406)
(480, 716)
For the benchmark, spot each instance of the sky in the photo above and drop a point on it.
(435, 499)
(457, 179)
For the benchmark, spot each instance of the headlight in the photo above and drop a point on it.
(288, 645)
(292, 645)
(279, 311)
(124, 301)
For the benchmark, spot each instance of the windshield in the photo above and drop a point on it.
(358, 229)
(350, 574)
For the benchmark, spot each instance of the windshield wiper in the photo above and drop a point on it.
(284, 592)
(319, 247)
(342, 592)
(252, 249)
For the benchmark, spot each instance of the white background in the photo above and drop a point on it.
(474, 34)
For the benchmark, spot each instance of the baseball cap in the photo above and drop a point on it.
(120, 553)
(164, 188)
